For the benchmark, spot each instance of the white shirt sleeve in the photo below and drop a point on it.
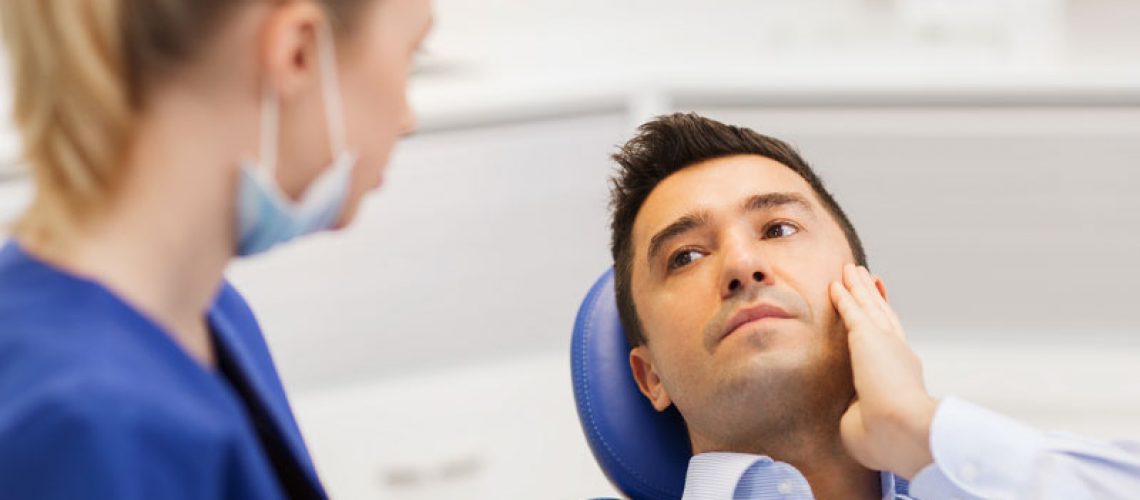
(981, 454)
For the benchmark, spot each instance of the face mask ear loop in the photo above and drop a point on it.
(330, 86)
(269, 124)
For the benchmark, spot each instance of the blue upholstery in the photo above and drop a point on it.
(644, 453)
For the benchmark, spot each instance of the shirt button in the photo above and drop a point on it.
(969, 472)
(784, 487)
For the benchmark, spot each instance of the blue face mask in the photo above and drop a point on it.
(266, 216)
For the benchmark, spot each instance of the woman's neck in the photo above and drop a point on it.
(163, 242)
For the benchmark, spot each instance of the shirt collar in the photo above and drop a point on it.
(717, 474)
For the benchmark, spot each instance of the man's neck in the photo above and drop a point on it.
(820, 458)
(840, 478)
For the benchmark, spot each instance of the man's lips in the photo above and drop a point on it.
(752, 314)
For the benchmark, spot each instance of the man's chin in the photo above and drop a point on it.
(779, 364)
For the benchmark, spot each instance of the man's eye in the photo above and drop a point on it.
(780, 230)
(684, 258)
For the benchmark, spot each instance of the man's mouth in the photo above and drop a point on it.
(753, 314)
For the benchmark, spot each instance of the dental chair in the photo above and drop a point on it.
(643, 453)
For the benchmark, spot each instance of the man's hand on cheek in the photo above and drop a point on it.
(888, 425)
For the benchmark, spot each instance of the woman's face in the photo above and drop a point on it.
(374, 60)
(375, 63)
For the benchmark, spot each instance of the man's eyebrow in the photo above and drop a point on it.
(697, 220)
(772, 200)
(680, 226)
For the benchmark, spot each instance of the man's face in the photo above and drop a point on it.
(732, 259)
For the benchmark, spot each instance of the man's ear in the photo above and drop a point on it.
(289, 46)
(882, 287)
(645, 373)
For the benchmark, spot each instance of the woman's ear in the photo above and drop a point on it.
(288, 48)
(645, 373)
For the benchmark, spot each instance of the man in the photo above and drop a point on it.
(743, 291)
(725, 244)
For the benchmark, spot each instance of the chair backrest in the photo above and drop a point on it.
(644, 453)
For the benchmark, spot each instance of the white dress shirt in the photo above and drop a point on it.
(741, 476)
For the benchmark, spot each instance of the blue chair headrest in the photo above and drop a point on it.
(645, 454)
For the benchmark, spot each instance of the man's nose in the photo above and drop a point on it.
(744, 267)
(735, 284)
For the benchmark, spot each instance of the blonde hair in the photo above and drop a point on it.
(81, 69)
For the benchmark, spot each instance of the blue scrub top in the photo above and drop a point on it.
(97, 401)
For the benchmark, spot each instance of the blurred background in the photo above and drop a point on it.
(987, 150)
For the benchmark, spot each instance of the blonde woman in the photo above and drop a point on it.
(166, 138)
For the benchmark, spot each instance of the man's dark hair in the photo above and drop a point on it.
(668, 144)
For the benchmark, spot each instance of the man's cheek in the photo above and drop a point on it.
(678, 316)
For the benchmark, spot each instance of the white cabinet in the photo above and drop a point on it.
(497, 430)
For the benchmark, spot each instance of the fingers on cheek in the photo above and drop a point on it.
(848, 309)
(869, 281)
(850, 278)
(839, 296)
